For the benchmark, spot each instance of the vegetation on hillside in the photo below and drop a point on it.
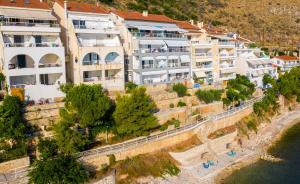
(237, 90)
(209, 96)
(13, 130)
(134, 113)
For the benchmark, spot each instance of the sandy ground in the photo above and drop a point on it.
(224, 165)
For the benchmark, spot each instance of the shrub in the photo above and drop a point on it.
(181, 104)
(209, 96)
(171, 105)
(129, 86)
(163, 127)
(104, 167)
(112, 160)
(180, 89)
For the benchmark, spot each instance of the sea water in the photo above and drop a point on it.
(264, 172)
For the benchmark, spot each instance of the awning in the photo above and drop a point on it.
(177, 43)
(173, 57)
(147, 58)
(228, 70)
(159, 72)
(161, 57)
(27, 14)
(179, 71)
(152, 42)
(150, 28)
(185, 59)
(199, 74)
(29, 33)
(174, 29)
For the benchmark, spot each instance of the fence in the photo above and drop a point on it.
(112, 149)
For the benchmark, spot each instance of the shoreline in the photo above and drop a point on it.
(282, 123)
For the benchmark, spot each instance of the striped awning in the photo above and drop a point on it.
(27, 14)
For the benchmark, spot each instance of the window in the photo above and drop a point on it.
(111, 57)
(91, 59)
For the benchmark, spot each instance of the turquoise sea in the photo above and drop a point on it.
(263, 172)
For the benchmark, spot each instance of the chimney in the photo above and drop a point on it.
(12, 1)
(200, 24)
(41, 1)
(192, 22)
(97, 4)
(145, 13)
(26, 1)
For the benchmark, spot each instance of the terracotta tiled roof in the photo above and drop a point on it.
(214, 30)
(83, 7)
(187, 26)
(25, 4)
(133, 15)
(287, 58)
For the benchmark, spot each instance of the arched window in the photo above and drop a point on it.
(111, 57)
(91, 58)
(21, 61)
(49, 60)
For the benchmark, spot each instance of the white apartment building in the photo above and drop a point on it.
(31, 53)
(227, 57)
(203, 53)
(95, 52)
(156, 49)
(254, 64)
(285, 63)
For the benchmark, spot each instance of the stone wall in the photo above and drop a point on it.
(43, 115)
(203, 131)
(12, 165)
(219, 145)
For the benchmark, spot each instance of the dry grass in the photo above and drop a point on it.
(185, 145)
(222, 132)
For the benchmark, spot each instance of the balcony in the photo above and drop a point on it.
(156, 35)
(30, 44)
(159, 50)
(29, 24)
(204, 66)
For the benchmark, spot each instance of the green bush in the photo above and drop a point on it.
(209, 96)
(181, 104)
(180, 89)
(163, 127)
(171, 105)
(104, 167)
(112, 160)
(129, 86)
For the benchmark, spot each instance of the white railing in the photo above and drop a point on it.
(112, 149)
(121, 147)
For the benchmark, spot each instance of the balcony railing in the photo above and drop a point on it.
(204, 66)
(204, 55)
(158, 50)
(46, 65)
(45, 44)
(29, 24)
(95, 28)
(226, 43)
(91, 79)
(157, 35)
(227, 66)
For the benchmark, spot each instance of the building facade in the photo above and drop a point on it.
(157, 51)
(95, 52)
(32, 55)
(285, 63)
(254, 64)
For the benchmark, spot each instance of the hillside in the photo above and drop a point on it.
(271, 23)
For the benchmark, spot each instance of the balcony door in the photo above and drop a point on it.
(38, 40)
(21, 61)
(18, 39)
(44, 79)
